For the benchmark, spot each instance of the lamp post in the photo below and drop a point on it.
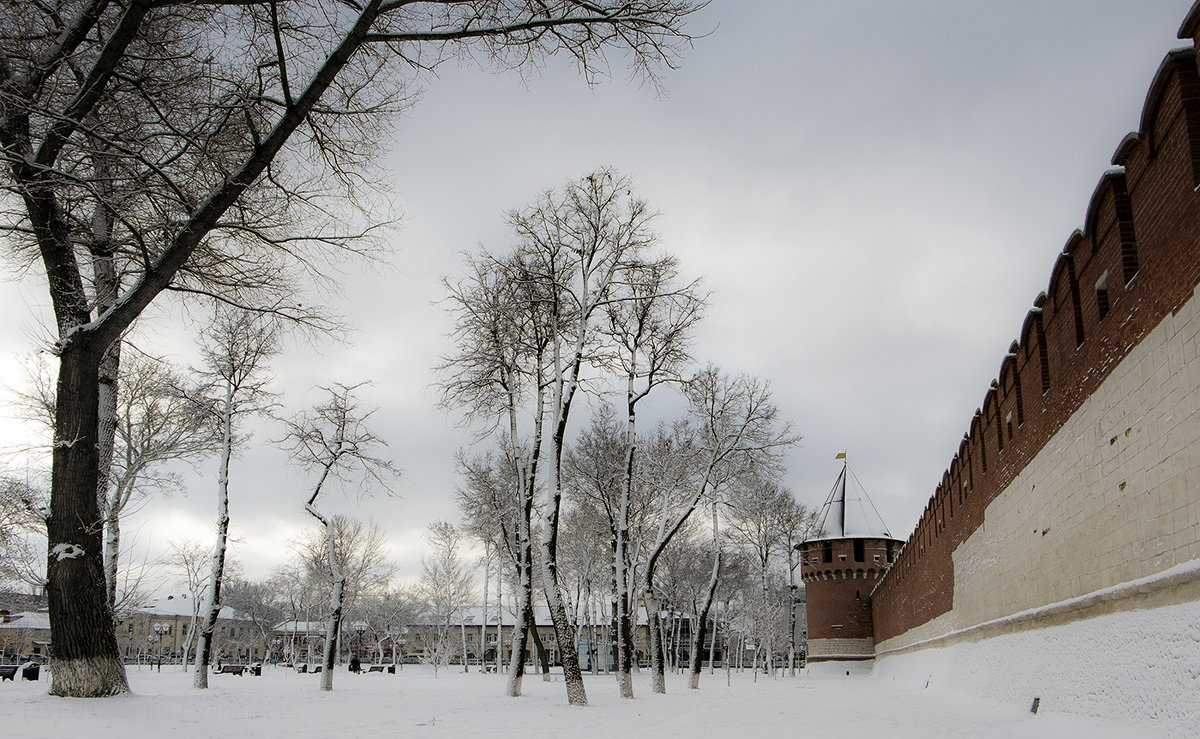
(359, 628)
(160, 628)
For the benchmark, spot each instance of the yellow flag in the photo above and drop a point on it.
(841, 455)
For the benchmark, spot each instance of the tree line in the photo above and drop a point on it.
(584, 305)
(220, 152)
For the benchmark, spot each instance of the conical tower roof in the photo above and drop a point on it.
(848, 512)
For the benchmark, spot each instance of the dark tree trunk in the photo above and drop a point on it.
(85, 661)
(540, 649)
(658, 681)
(702, 623)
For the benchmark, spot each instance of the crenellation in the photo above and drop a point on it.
(1090, 482)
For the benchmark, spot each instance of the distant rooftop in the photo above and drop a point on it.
(848, 512)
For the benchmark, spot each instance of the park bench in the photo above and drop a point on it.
(8, 672)
(375, 668)
(232, 670)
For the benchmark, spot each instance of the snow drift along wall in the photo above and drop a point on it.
(1075, 492)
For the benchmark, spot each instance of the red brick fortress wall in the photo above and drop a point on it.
(1130, 270)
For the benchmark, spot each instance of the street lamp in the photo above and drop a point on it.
(359, 628)
(160, 628)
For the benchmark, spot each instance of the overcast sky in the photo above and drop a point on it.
(874, 191)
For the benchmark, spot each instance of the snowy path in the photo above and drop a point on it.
(414, 703)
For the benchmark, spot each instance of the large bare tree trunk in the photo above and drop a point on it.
(85, 661)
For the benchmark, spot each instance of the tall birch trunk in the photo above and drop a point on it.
(112, 547)
(524, 622)
(702, 618)
(487, 573)
(791, 613)
(107, 286)
(212, 600)
(334, 628)
(499, 614)
(621, 556)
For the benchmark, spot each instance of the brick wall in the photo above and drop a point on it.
(1083, 459)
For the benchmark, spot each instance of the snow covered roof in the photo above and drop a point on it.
(848, 512)
(182, 605)
(28, 620)
(300, 627)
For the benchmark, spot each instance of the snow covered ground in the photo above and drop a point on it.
(282, 703)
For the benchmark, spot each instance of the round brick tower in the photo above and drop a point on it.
(840, 567)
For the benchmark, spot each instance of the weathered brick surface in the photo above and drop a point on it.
(1081, 468)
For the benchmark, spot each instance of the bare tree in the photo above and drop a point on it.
(797, 523)
(133, 129)
(594, 472)
(333, 440)
(188, 559)
(387, 616)
(583, 239)
(22, 522)
(360, 547)
(649, 326)
(298, 597)
(445, 586)
(154, 425)
(755, 507)
(236, 347)
(737, 431)
(502, 342)
(258, 601)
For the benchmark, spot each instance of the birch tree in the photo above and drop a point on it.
(236, 348)
(334, 441)
(445, 586)
(154, 425)
(22, 523)
(594, 472)
(188, 560)
(736, 430)
(360, 548)
(648, 329)
(502, 341)
(583, 240)
(209, 159)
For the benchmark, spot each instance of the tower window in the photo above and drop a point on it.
(827, 551)
(859, 551)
